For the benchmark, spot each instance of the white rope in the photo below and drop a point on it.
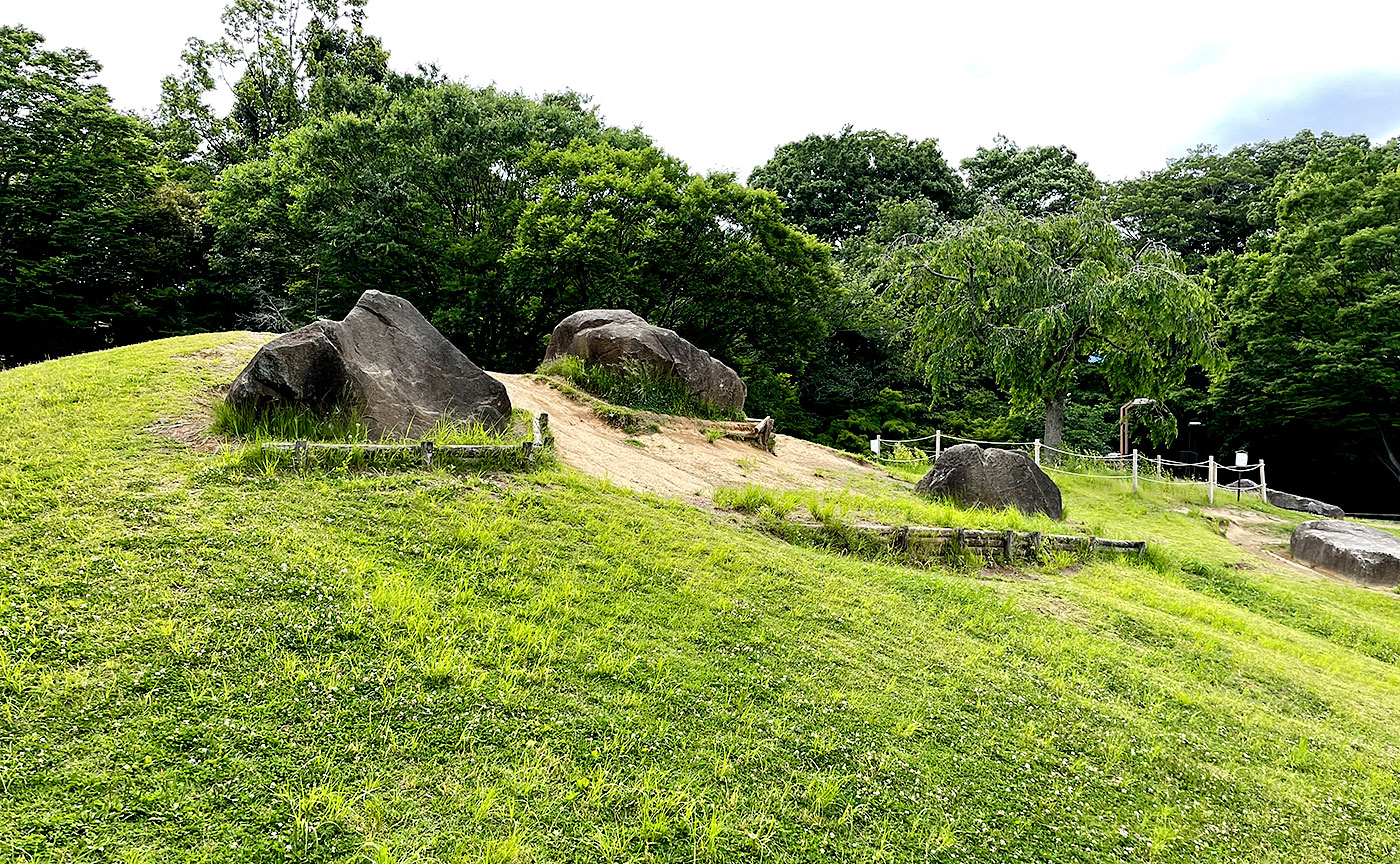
(998, 443)
(908, 440)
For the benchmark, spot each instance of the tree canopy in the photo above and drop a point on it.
(94, 246)
(833, 185)
(1039, 300)
(1314, 318)
(1033, 181)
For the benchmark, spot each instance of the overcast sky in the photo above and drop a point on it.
(722, 83)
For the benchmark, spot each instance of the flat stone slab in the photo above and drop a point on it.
(1366, 554)
(1304, 504)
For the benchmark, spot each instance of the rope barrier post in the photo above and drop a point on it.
(1159, 464)
(937, 444)
(1037, 451)
(875, 445)
(1135, 469)
(1210, 479)
(1263, 484)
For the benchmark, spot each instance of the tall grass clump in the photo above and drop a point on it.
(344, 425)
(635, 385)
(289, 423)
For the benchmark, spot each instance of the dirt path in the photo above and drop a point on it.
(677, 461)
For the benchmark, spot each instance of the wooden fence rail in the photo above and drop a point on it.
(427, 451)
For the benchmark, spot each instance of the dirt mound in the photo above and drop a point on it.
(677, 461)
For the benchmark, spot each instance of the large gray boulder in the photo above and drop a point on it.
(386, 360)
(969, 476)
(1363, 553)
(612, 337)
(1305, 505)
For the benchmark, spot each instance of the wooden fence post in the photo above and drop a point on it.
(937, 444)
(1210, 479)
(1135, 469)
(1159, 464)
(875, 445)
(1037, 451)
(1263, 484)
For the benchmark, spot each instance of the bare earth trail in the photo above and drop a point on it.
(677, 461)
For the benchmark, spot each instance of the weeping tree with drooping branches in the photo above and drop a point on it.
(1039, 300)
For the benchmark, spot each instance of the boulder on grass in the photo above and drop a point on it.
(1363, 553)
(613, 337)
(1305, 505)
(385, 360)
(970, 476)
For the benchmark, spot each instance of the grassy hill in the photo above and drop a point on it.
(202, 662)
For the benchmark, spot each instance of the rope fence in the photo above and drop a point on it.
(1158, 468)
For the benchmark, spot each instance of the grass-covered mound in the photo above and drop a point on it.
(634, 385)
(199, 663)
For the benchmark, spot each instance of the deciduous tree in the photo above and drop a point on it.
(1038, 300)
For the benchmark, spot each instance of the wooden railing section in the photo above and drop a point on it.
(427, 451)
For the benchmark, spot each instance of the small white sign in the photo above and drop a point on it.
(1241, 458)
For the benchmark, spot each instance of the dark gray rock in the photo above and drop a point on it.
(1363, 553)
(612, 337)
(386, 360)
(1305, 505)
(300, 368)
(969, 476)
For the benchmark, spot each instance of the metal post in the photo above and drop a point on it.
(1037, 451)
(937, 444)
(1135, 469)
(1263, 484)
(1210, 479)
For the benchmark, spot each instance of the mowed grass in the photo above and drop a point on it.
(203, 663)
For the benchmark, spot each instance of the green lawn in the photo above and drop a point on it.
(203, 662)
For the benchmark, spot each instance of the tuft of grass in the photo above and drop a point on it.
(635, 385)
(289, 423)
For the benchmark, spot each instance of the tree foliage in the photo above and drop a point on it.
(1033, 181)
(96, 246)
(1039, 300)
(833, 185)
(1314, 318)
(277, 58)
(1207, 202)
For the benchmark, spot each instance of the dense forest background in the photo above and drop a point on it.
(859, 282)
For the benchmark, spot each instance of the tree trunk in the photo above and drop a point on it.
(1054, 434)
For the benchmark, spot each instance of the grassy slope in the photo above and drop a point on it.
(198, 663)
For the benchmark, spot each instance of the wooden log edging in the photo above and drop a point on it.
(427, 451)
(751, 429)
(927, 543)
